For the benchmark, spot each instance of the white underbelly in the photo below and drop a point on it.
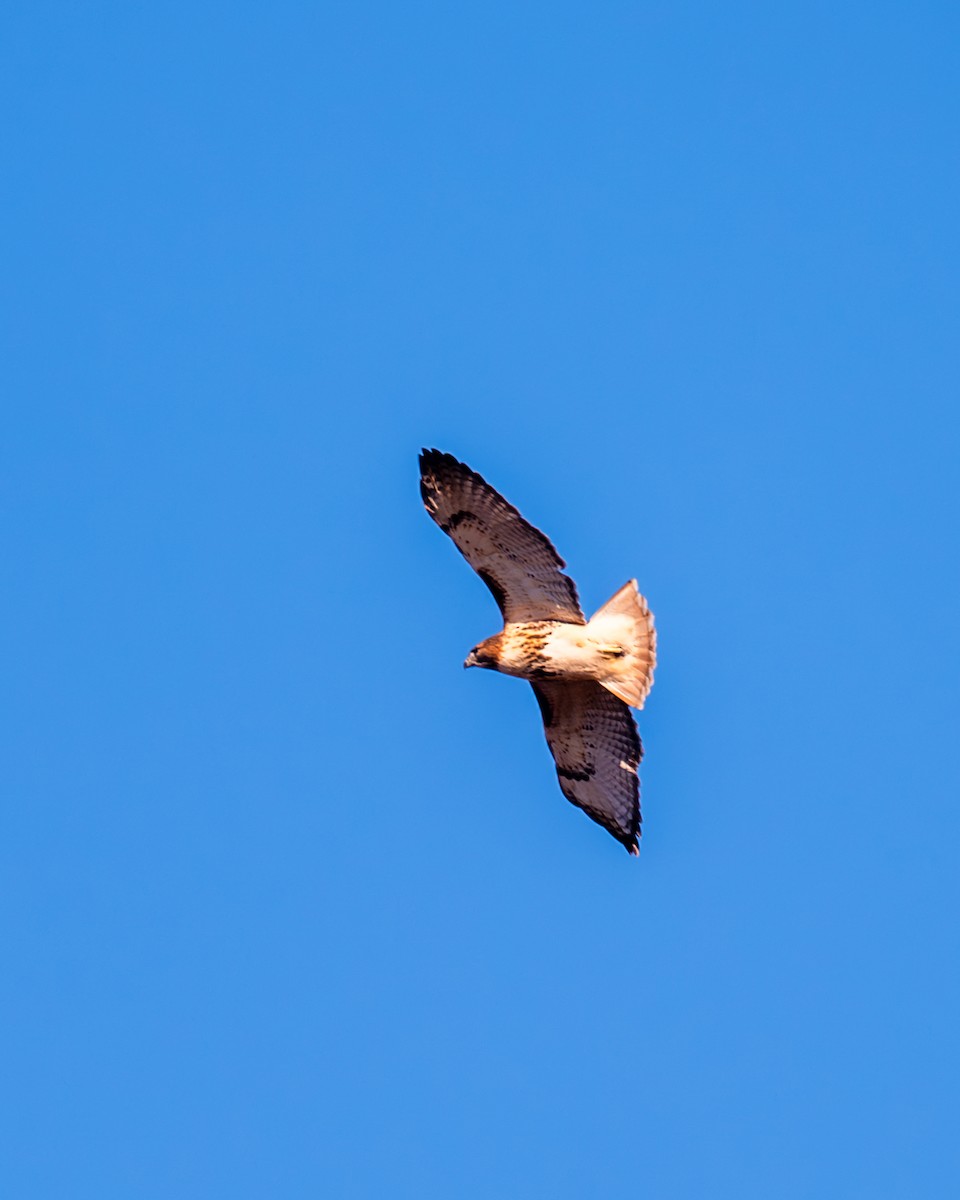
(566, 651)
(586, 651)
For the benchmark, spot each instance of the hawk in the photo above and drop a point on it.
(586, 675)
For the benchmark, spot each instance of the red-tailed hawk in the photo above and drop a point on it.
(585, 674)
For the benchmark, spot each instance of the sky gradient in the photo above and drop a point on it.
(291, 904)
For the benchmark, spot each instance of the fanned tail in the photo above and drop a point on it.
(626, 624)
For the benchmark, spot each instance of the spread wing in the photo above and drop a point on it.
(515, 560)
(594, 741)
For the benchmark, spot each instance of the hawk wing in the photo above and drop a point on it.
(594, 741)
(515, 560)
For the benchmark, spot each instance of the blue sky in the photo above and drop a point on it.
(291, 904)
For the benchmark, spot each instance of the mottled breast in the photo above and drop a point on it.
(525, 650)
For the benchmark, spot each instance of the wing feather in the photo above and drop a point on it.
(518, 563)
(595, 744)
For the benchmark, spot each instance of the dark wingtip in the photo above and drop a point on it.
(429, 460)
(439, 458)
(436, 466)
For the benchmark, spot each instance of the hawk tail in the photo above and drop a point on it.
(625, 623)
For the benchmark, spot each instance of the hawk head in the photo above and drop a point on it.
(486, 654)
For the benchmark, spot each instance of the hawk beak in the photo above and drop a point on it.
(470, 660)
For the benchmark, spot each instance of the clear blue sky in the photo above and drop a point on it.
(291, 904)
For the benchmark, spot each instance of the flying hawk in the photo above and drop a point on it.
(585, 674)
